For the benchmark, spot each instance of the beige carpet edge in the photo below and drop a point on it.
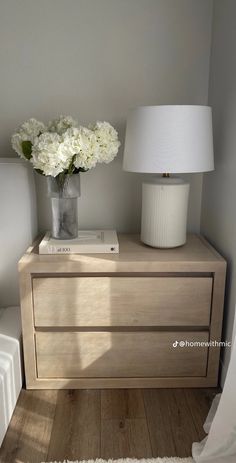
(129, 460)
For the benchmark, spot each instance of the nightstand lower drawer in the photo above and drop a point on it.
(116, 354)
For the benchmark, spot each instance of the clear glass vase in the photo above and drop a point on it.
(64, 192)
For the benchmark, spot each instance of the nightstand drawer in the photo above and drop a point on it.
(122, 301)
(112, 354)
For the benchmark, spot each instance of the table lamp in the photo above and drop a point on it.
(167, 140)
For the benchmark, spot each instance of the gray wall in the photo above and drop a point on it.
(94, 59)
(18, 223)
(219, 188)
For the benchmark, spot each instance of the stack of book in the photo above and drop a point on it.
(88, 242)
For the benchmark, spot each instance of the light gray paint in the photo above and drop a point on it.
(95, 59)
(18, 223)
(219, 190)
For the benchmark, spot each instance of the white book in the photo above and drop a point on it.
(88, 242)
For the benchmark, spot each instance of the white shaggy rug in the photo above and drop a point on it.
(131, 460)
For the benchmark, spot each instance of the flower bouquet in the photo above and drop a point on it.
(60, 151)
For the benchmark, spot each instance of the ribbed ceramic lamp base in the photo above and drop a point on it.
(164, 212)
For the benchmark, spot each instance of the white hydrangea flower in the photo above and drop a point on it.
(50, 155)
(26, 132)
(64, 145)
(61, 124)
(33, 128)
(107, 138)
(85, 146)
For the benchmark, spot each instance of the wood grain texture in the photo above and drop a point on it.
(216, 320)
(199, 402)
(127, 438)
(27, 319)
(28, 436)
(122, 403)
(169, 411)
(124, 430)
(122, 301)
(76, 429)
(122, 292)
(61, 425)
(134, 257)
(134, 354)
(129, 383)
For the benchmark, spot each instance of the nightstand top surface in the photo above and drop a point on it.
(196, 255)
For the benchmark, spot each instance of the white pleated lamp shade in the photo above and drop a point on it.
(169, 139)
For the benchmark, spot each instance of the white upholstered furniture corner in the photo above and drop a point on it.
(10, 365)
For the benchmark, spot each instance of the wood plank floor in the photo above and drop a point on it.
(84, 424)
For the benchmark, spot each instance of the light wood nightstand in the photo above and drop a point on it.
(105, 320)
